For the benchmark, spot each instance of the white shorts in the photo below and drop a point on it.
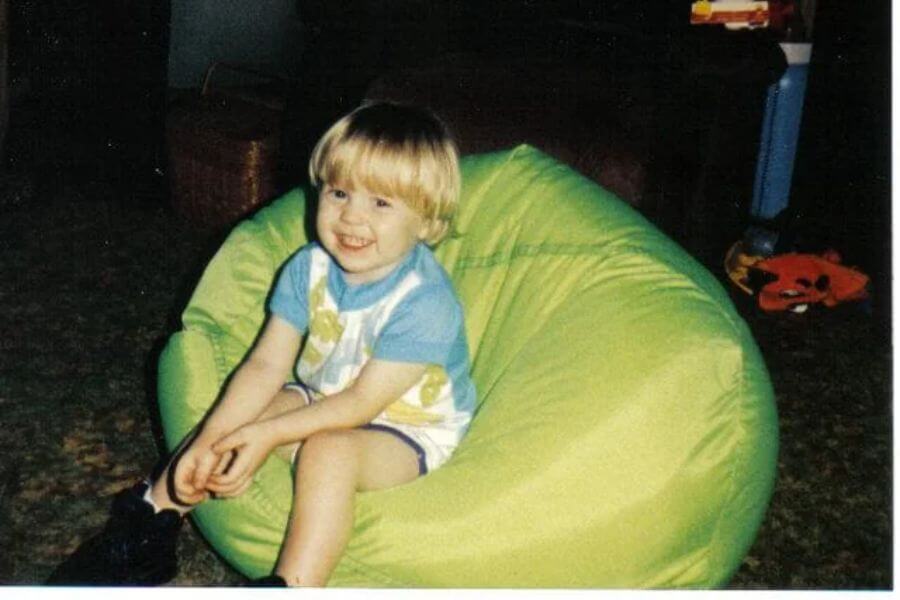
(430, 454)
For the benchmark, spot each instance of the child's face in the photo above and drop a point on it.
(368, 235)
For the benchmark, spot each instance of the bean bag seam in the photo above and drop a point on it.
(606, 249)
(525, 251)
(707, 296)
(245, 235)
(531, 250)
(218, 354)
(263, 500)
(488, 184)
(360, 568)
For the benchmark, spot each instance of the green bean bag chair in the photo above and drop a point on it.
(625, 436)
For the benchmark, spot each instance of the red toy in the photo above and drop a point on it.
(794, 281)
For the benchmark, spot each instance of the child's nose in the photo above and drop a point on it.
(353, 212)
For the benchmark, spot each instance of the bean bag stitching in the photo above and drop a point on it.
(498, 372)
(221, 368)
(253, 308)
(236, 242)
(488, 183)
(360, 568)
(602, 250)
(219, 354)
(265, 501)
(506, 257)
(607, 250)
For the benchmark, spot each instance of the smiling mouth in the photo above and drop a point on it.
(351, 242)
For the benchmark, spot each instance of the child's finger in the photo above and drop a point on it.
(228, 477)
(237, 471)
(224, 460)
(204, 467)
(188, 495)
(225, 489)
(182, 483)
(191, 499)
(229, 442)
(217, 481)
(220, 489)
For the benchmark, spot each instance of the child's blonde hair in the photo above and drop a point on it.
(402, 152)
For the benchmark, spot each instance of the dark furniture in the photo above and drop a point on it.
(667, 116)
(673, 130)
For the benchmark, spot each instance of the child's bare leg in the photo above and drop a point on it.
(332, 467)
(284, 401)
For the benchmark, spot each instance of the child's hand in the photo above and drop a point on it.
(183, 480)
(252, 446)
(193, 469)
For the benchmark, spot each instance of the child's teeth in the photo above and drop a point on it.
(353, 241)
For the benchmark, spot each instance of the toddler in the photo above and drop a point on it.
(382, 392)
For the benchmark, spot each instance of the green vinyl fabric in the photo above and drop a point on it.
(626, 434)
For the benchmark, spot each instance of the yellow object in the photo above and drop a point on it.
(702, 8)
(733, 14)
(737, 263)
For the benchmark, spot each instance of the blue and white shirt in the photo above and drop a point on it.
(411, 315)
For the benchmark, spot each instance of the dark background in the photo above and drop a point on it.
(96, 267)
(97, 72)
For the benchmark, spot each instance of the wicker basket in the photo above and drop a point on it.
(223, 152)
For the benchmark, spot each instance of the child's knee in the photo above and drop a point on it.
(336, 447)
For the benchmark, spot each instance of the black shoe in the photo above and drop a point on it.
(267, 581)
(136, 547)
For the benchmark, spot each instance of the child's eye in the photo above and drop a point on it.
(382, 203)
(338, 193)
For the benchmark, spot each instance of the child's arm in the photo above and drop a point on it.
(247, 395)
(379, 384)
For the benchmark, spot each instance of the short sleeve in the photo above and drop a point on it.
(422, 329)
(289, 298)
